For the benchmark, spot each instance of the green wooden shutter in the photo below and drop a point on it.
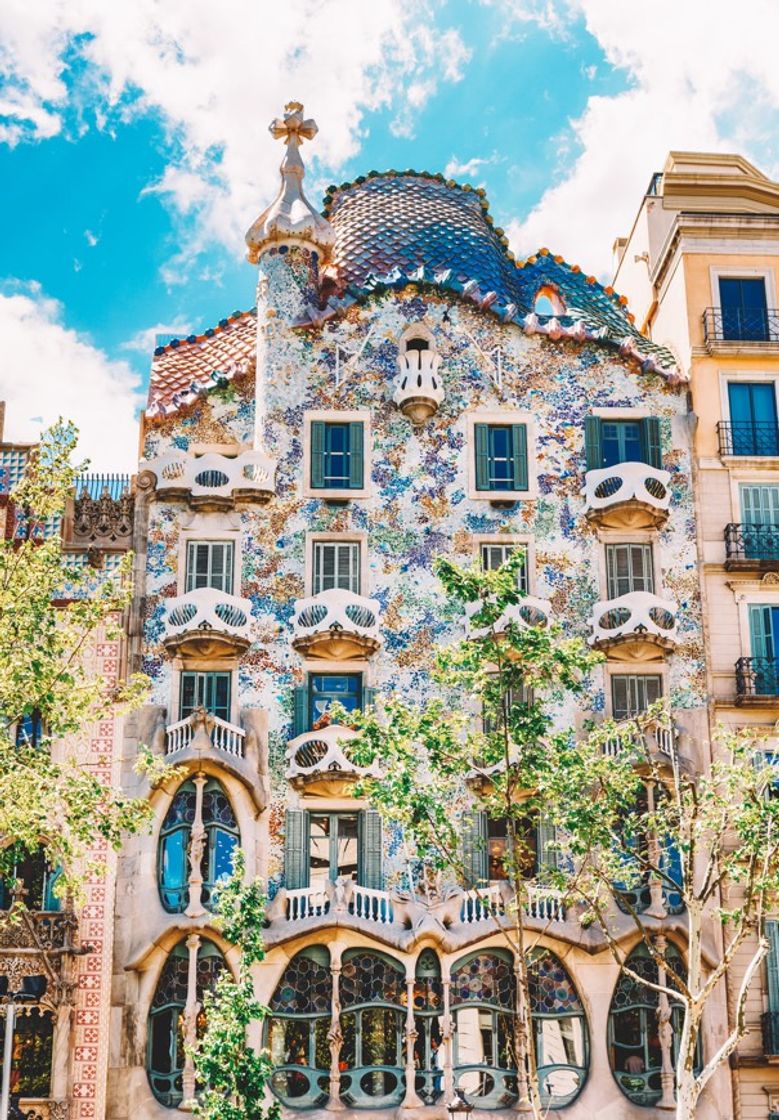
(546, 835)
(519, 451)
(772, 965)
(474, 847)
(300, 711)
(650, 442)
(481, 435)
(369, 871)
(761, 631)
(593, 444)
(318, 453)
(295, 849)
(356, 455)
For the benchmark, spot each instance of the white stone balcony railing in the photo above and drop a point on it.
(479, 905)
(530, 611)
(207, 622)
(223, 736)
(214, 480)
(419, 389)
(494, 901)
(336, 624)
(638, 616)
(658, 738)
(324, 754)
(372, 905)
(545, 903)
(632, 493)
(344, 897)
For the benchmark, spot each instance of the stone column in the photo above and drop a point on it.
(665, 1034)
(335, 1035)
(523, 1104)
(447, 1038)
(411, 1098)
(191, 1009)
(60, 1058)
(197, 842)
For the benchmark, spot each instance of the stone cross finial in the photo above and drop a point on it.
(293, 125)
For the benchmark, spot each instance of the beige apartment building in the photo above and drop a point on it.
(700, 269)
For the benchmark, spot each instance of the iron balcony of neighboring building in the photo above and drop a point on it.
(634, 626)
(322, 759)
(748, 439)
(213, 481)
(627, 496)
(336, 624)
(739, 328)
(770, 1025)
(207, 623)
(757, 682)
(752, 548)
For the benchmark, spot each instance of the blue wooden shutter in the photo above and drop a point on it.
(300, 712)
(370, 855)
(295, 849)
(481, 435)
(519, 452)
(474, 848)
(593, 443)
(650, 442)
(356, 455)
(318, 453)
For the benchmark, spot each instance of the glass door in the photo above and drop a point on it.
(764, 636)
(760, 522)
(753, 422)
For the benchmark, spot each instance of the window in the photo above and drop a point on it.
(498, 849)
(296, 1035)
(31, 1054)
(336, 564)
(492, 715)
(483, 1000)
(610, 442)
(332, 846)
(494, 554)
(559, 1029)
(743, 306)
(428, 1001)
(29, 729)
(633, 693)
(753, 424)
(337, 455)
(486, 847)
(221, 829)
(210, 564)
(205, 690)
(417, 344)
(628, 568)
(372, 1058)
(37, 877)
(165, 1045)
(501, 457)
(320, 847)
(760, 522)
(771, 1017)
(764, 637)
(324, 688)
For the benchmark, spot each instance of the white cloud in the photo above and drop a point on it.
(146, 340)
(217, 73)
(467, 169)
(90, 238)
(698, 79)
(48, 370)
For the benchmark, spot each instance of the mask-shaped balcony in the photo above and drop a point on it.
(419, 389)
(530, 611)
(336, 624)
(634, 627)
(322, 759)
(207, 623)
(627, 496)
(214, 481)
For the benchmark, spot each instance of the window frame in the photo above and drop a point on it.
(314, 539)
(734, 376)
(635, 676)
(637, 536)
(627, 668)
(648, 552)
(194, 543)
(502, 418)
(719, 272)
(510, 541)
(337, 416)
(204, 668)
(203, 534)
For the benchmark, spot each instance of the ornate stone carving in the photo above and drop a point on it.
(103, 522)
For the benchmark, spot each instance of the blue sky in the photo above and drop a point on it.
(134, 149)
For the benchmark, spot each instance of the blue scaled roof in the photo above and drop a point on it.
(396, 228)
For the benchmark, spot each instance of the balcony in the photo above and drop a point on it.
(736, 328)
(545, 904)
(206, 623)
(344, 897)
(212, 481)
(757, 682)
(634, 627)
(336, 624)
(758, 439)
(322, 758)
(530, 611)
(627, 496)
(752, 548)
(770, 1026)
(202, 729)
(419, 389)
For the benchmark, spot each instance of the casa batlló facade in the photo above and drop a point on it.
(403, 389)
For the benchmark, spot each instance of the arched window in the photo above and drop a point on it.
(483, 998)
(31, 1053)
(635, 1052)
(297, 1034)
(548, 302)
(559, 1030)
(373, 995)
(37, 877)
(416, 344)
(165, 1048)
(428, 1009)
(221, 838)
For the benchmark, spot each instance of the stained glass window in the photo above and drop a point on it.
(297, 1033)
(373, 989)
(428, 1009)
(31, 1052)
(483, 998)
(559, 1029)
(175, 836)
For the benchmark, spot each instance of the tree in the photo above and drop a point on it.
(51, 611)
(232, 1074)
(708, 837)
(518, 672)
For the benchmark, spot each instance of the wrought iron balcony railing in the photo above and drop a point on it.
(748, 437)
(752, 543)
(770, 1025)
(741, 324)
(757, 677)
